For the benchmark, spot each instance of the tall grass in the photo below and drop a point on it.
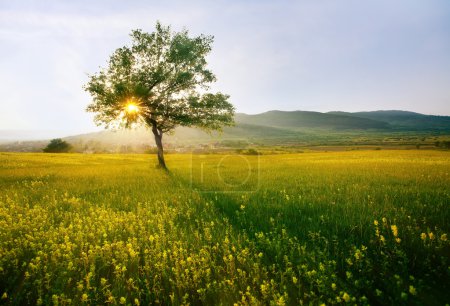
(346, 227)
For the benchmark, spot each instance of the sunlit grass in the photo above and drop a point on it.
(360, 227)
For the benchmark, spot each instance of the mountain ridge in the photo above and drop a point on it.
(404, 120)
(275, 126)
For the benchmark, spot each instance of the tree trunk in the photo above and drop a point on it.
(158, 139)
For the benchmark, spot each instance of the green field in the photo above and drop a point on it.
(360, 227)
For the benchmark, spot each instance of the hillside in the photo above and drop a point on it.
(403, 120)
(303, 119)
(296, 128)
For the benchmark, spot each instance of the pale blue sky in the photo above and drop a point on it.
(348, 55)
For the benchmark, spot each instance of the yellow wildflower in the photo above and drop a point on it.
(84, 297)
(382, 238)
(384, 220)
(412, 290)
(4, 296)
(136, 302)
(423, 236)
(346, 297)
(444, 237)
(375, 222)
(122, 300)
(294, 279)
(333, 286)
(263, 289)
(398, 240)
(431, 235)
(281, 301)
(394, 230)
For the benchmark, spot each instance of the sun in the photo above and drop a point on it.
(132, 108)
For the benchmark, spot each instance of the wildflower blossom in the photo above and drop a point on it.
(84, 297)
(346, 297)
(263, 289)
(394, 230)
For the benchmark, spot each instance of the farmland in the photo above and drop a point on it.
(360, 227)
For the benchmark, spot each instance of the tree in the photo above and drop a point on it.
(161, 81)
(57, 146)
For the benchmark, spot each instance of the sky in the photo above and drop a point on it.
(314, 55)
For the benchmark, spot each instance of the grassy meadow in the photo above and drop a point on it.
(357, 227)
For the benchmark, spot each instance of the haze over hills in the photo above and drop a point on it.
(272, 127)
(403, 119)
(305, 119)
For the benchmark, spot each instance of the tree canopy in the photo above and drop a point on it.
(57, 145)
(160, 80)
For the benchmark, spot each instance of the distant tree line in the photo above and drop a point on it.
(443, 144)
(57, 145)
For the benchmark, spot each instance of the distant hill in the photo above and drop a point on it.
(403, 120)
(303, 119)
(286, 128)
